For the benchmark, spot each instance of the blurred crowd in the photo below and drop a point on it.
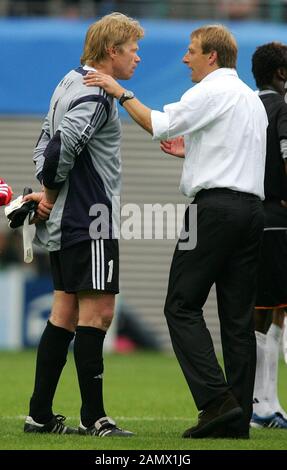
(11, 253)
(273, 10)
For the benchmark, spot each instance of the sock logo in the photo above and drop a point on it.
(100, 376)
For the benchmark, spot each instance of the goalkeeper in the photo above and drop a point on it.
(78, 162)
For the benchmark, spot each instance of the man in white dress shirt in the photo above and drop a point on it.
(219, 126)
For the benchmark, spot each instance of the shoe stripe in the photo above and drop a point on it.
(105, 432)
(59, 428)
(275, 421)
(91, 432)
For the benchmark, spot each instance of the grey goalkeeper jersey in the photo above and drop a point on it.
(78, 152)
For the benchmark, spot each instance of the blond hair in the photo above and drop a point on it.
(110, 31)
(218, 38)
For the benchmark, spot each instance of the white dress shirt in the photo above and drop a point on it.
(224, 127)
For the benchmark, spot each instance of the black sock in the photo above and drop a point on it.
(88, 352)
(51, 358)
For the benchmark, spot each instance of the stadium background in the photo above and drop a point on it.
(39, 42)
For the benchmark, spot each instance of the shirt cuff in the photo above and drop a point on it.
(160, 125)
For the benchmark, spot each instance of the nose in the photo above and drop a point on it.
(137, 58)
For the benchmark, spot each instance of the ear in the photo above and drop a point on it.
(212, 58)
(112, 51)
(282, 73)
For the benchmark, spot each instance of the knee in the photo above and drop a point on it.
(167, 314)
(65, 311)
(167, 309)
(106, 318)
(172, 310)
(96, 310)
(102, 320)
(172, 316)
(65, 319)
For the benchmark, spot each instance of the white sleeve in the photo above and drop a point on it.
(194, 111)
(160, 125)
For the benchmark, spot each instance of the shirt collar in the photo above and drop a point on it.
(267, 92)
(219, 73)
(88, 67)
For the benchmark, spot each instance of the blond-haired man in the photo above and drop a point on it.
(219, 126)
(78, 163)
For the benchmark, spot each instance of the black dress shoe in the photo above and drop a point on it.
(223, 409)
(223, 432)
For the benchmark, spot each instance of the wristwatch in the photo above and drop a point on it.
(127, 95)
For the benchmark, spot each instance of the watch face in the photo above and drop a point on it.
(128, 94)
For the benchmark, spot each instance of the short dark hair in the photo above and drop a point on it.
(266, 60)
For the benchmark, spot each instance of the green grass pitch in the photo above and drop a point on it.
(145, 393)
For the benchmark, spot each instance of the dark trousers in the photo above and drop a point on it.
(229, 234)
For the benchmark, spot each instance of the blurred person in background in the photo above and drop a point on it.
(10, 249)
(5, 193)
(269, 67)
(78, 163)
(29, 7)
(219, 126)
(10, 245)
(238, 9)
(68, 8)
(86, 9)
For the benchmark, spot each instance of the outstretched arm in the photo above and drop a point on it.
(137, 110)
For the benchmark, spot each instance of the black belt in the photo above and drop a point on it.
(231, 192)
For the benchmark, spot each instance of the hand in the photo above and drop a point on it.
(104, 81)
(174, 147)
(44, 207)
(284, 203)
(5, 193)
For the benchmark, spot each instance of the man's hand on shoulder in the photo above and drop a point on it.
(104, 81)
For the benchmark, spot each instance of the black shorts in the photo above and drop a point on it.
(272, 271)
(88, 265)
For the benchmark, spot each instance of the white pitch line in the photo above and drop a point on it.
(124, 418)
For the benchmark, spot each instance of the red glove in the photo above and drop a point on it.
(5, 193)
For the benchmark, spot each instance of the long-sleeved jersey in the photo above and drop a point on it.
(78, 152)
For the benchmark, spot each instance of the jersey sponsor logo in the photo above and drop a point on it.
(85, 137)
